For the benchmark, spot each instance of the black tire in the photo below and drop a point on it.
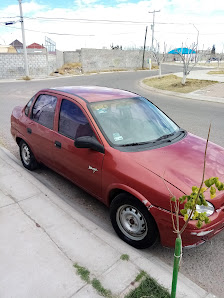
(132, 221)
(27, 157)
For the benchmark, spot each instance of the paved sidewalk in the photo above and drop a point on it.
(203, 75)
(42, 237)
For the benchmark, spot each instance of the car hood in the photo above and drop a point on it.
(181, 163)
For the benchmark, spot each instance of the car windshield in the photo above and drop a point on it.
(132, 121)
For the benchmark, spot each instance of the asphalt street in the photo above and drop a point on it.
(204, 264)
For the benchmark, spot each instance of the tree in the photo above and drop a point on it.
(187, 58)
(189, 212)
(159, 58)
(213, 50)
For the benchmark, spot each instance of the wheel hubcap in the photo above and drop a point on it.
(26, 154)
(131, 222)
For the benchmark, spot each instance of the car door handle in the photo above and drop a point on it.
(29, 130)
(57, 144)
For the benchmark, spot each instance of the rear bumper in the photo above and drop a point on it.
(192, 236)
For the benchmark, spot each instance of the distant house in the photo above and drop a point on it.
(7, 49)
(36, 48)
(17, 45)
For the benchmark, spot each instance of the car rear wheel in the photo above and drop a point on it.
(27, 157)
(132, 221)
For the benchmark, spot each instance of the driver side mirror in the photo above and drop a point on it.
(89, 142)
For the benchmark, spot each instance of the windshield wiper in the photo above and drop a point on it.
(164, 137)
(135, 144)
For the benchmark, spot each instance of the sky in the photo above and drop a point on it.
(75, 24)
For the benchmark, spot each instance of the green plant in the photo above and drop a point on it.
(124, 257)
(148, 288)
(83, 272)
(189, 203)
(100, 289)
(85, 275)
(140, 275)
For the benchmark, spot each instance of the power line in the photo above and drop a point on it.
(115, 21)
(109, 21)
(69, 34)
(88, 20)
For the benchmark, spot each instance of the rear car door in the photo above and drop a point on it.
(40, 127)
(82, 166)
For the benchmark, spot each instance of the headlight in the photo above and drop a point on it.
(208, 209)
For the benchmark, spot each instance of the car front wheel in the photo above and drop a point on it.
(132, 221)
(27, 157)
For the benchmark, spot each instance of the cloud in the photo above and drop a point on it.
(173, 24)
(85, 3)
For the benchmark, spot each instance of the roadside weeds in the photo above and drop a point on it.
(142, 286)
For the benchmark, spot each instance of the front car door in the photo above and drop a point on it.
(82, 166)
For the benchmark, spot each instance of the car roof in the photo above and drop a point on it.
(95, 93)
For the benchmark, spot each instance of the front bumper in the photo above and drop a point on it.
(192, 236)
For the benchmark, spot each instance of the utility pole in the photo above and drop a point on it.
(197, 43)
(24, 40)
(153, 25)
(143, 58)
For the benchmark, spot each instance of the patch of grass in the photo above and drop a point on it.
(174, 83)
(83, 272)
(85, 275)
(149, 288)
(140, 276)
(100, 289)
(124, 257)
(221, 71)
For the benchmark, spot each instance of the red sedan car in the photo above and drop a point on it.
(120, 148)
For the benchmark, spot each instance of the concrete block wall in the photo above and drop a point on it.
(12, 65)
(92, 60)
(37, 64)
(72, 56)
(51, 63)
(59, 59)
(104, 60)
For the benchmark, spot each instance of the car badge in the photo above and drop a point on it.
(93, 169)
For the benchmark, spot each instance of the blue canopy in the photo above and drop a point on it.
(182, 51)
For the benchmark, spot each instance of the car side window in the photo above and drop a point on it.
(29, 104)
(72, 121)
(43, 110)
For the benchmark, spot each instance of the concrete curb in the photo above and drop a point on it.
(95, 248)
(69, 76)
(181, 95)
